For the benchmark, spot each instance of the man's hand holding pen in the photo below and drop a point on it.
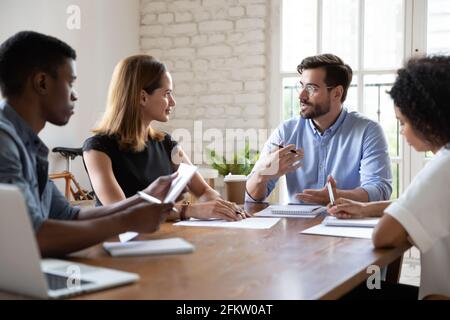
(281, 161)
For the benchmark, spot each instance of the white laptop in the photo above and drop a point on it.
(22, 270)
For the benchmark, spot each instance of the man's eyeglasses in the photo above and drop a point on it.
(310, 88)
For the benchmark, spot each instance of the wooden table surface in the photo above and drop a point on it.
(278, 263)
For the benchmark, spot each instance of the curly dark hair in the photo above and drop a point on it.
(422, 93)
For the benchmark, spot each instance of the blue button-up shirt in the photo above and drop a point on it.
(24, 162)
(353, 150)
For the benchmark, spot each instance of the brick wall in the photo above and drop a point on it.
(217, 53)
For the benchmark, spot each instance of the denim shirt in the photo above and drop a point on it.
(24, 162)
(353, 150)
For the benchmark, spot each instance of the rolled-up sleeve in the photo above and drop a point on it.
(375, 171)
(275, 137)
(60, 208)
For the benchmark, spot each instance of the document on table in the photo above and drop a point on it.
(185, 173)
(249, 223)
(364, 223)
(148, 247)
(346, 232)
(291, 211)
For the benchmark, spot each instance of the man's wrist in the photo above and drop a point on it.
(260, 177)
(123, 221)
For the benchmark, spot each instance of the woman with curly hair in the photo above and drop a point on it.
(421, 215)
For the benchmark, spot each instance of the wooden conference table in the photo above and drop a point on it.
(278, 263)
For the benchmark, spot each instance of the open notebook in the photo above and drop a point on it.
(291, 211)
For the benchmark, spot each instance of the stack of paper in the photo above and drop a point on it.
(149, 247)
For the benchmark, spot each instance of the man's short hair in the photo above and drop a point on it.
(337, 73)
(26, 53)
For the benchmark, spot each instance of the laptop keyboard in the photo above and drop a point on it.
(56, 282)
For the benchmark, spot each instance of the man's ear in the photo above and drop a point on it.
(40, 83)
(338, 92)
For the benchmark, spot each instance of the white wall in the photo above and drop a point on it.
(109, 31)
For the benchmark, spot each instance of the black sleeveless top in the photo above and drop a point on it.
(134, 171)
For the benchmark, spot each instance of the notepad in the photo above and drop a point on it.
(346, 232)
(363, 223)
(291, 211)
(148, 247)
(249, 223)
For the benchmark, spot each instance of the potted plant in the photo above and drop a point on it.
(235, 172)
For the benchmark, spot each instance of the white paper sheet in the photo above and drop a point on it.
(127, 236)
(363, 223)
(249, 223)
(148, 247)
(185, 173)
(353, 232)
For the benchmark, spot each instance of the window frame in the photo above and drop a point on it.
(415, 43)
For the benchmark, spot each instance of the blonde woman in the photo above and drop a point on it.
(126, 153)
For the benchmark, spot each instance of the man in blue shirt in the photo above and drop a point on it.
(37, 73)
(326, 143)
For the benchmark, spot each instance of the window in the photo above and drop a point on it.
(438, 26)
(374, 37)
(438, 32)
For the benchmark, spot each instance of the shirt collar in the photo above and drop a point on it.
(24, 131)
(333, 127)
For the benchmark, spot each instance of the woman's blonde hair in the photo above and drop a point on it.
(122, 118)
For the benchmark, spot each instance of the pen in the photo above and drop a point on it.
(280, 146)
(151, 199)
(330, 194)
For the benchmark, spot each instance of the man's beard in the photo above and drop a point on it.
(314, 110)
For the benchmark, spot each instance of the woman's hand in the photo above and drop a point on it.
(218, 208)
(348, 209)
